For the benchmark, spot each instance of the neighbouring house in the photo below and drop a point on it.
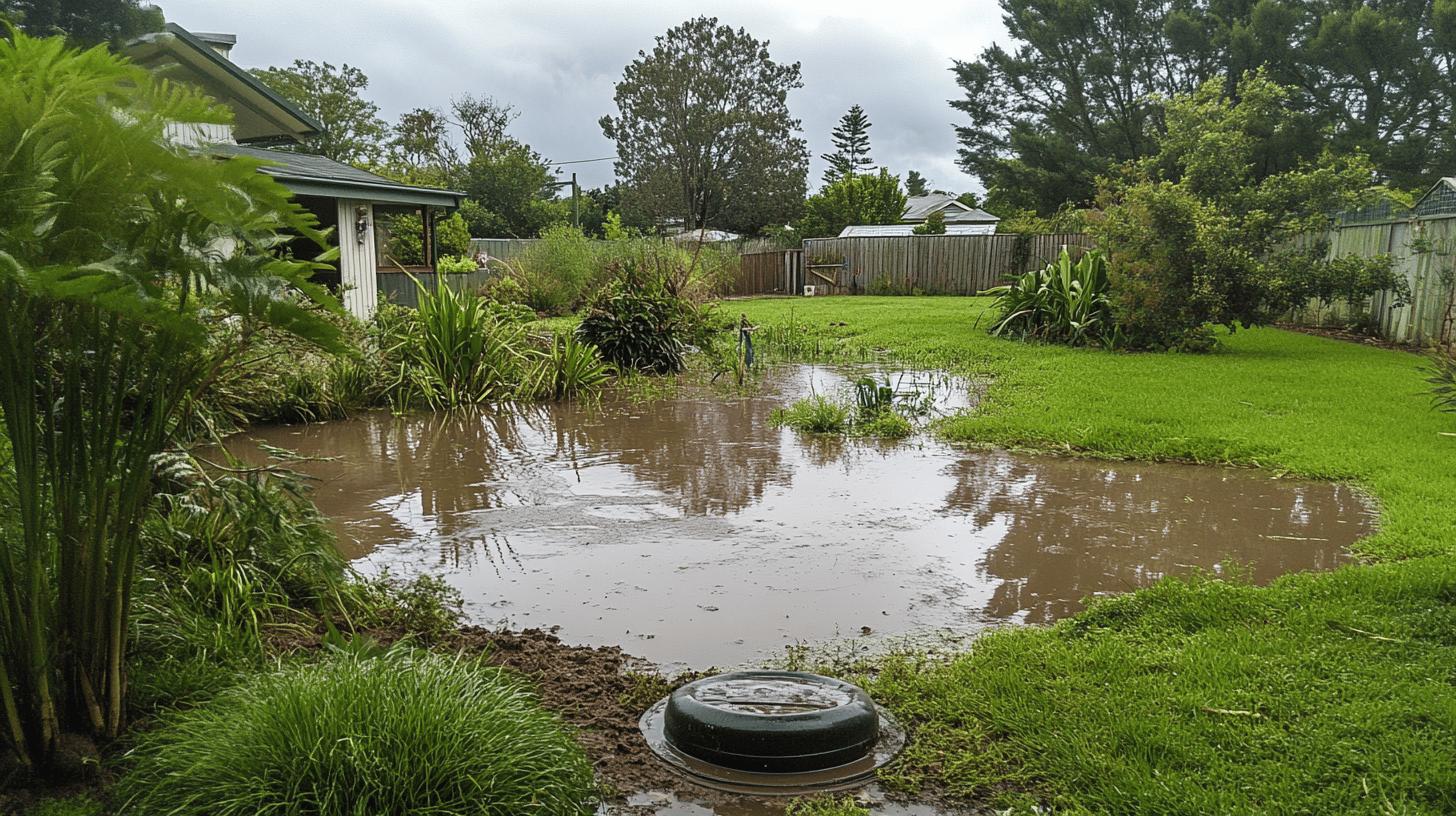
(341, 196)
(960, 219)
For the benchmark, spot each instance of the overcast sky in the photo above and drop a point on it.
(557, 62)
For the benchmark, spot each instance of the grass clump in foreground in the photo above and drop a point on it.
(404, 732)
(1322, 693)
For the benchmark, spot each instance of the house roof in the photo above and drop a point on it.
(897, 230)
(919, 208)
(1439, 200)
(306, 174)
(260, 114)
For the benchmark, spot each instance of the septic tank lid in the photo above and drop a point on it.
(772, 732)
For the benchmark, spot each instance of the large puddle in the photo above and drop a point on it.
(692, 532)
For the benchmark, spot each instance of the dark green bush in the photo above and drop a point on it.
(404, 732)
(639, 321)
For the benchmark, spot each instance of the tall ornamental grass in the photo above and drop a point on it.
(406, 732)
(116, 250)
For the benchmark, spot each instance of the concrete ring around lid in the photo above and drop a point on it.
(774, 733)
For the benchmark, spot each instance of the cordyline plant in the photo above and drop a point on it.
(117, 248)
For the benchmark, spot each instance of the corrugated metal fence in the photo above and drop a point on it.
(398, 288)
(929, 264)
(1424, 250)
(503, 248)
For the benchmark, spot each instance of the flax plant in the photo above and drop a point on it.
(116, 249)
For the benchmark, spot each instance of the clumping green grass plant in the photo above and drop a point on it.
(1322, 693)
(886, 424)
(817, 414)
(403, 732)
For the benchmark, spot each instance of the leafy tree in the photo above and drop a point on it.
(851, 146)
(117, 252)
(83, 22)
(916, 184)
(511, 188)
(483, 122)
(420, 149)
(1197, 233)
(1077, 91)
(704, 134)
(353, 133)
(934, 224)
(871, 198)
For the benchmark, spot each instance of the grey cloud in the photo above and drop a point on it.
(557, 62)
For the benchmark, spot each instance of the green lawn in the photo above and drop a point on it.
(1328, 693)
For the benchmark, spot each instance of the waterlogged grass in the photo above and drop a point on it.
(817, 414)
(1322, 693)
(403, 732)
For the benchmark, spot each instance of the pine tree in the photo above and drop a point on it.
(851, 146)
(915, 184)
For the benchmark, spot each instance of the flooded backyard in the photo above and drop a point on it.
(693, 533)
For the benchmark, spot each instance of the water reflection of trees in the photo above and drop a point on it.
(1069, 529)
(400, 478)
(709, 456)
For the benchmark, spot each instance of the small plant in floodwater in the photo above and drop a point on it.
(887, 424)
(408, 731)
(817, 414)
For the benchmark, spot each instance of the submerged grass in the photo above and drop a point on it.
(1322, 693)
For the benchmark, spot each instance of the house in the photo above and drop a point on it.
(1439, 200)
(343, 197)
(960, 219)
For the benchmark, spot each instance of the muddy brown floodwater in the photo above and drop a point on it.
(693, 533)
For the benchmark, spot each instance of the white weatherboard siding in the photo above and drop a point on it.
(358, 263)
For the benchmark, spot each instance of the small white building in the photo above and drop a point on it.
(960, 219)
(340, 196)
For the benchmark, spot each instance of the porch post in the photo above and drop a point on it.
(358, 261)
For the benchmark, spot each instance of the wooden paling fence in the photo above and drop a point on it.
(929, 264)
(773, 272)
(1421, 249)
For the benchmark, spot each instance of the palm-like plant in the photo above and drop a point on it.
(116, 249)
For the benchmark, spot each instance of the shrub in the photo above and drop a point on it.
(403, 732)
(452, 236)
(640, 320)
(1206, 231)
(455, 265)
(817, 414)
(934, 225)
(405, 242)
(1065, 301)
(558, 271)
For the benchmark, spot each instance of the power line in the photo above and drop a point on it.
(585, 161)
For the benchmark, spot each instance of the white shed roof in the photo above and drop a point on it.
(894, 230)
(919, 208)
